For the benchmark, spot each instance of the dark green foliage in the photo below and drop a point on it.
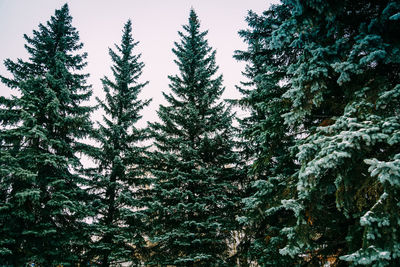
(321, 141)
(267, 140)
(341, 84)
(349, 64)
(194, 166)
(41, 200)
(119, 180)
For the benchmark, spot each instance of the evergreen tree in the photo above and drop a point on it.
(266, 141)
(41, 199)
(195, 176)
(343, 92)
(350, 72)
(118, 181)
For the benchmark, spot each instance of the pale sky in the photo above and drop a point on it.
(155, 26)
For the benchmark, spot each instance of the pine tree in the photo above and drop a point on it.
(42, 201)
(195, 176)
(118, 181)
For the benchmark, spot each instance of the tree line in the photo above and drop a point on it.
(311, 177)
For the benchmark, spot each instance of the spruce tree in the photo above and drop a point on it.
(266, 142)
(118, 181)
(349, 74)
(342, 87)
(41, 199)
(194, 163)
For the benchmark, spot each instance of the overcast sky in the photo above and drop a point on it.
(155, 26)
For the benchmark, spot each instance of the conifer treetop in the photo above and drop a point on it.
(196, 62)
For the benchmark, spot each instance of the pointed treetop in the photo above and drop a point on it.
(128, 26)
(65, 7)
(193, 19)
(193, 14)
(127, 39)
(62, 13)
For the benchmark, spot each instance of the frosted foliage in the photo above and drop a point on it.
(294, 248)
(292, 204)
(368, 256)
(339, 61)
(331, 146)
(387, 172)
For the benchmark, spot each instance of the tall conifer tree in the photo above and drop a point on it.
(267, 144)
(194, 164)
(345, 90)
(118, 182)
(41, 200)
(342, 88)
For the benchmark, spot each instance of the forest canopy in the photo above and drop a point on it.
(309, 176)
